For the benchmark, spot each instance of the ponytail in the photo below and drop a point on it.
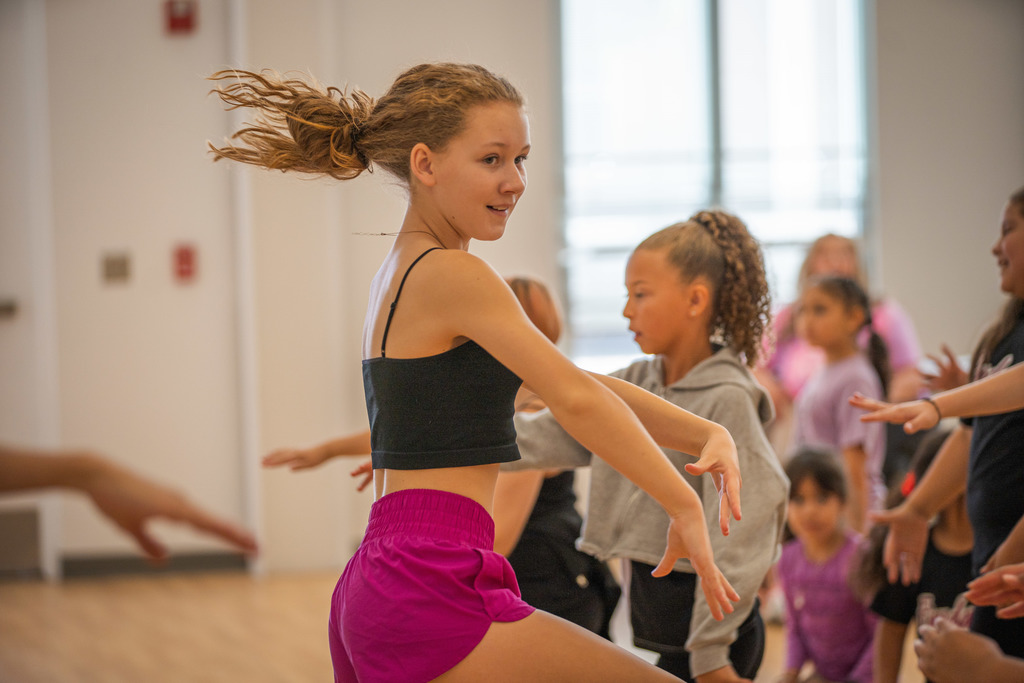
(301, 126)
(298, 126)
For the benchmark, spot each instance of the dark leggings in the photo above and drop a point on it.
(661, 610)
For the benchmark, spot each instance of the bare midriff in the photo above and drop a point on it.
(475, 482)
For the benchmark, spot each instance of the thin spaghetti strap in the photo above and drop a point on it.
(391, 313)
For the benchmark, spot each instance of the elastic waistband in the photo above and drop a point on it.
(439, 515)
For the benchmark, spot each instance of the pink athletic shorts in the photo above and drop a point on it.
(421, 590)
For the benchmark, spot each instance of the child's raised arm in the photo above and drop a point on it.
(306, 458)
(998, 393)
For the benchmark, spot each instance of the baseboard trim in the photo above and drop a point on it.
(113, 565)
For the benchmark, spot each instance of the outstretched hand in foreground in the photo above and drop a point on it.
(690, 540)
(127, 499)
(130, 501)
(913, 415)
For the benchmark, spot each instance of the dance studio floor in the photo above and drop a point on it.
(215, 628)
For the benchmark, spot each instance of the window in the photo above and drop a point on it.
(671, 106)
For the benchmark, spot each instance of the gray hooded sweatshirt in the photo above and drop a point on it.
(623, 521)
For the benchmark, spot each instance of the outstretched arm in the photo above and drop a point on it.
(305, 458)
(998, 393)
(127, 499)
(677, 429)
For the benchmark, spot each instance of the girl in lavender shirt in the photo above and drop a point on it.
(832, 313)
(826, 625)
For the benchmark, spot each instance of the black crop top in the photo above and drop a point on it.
(449, 410)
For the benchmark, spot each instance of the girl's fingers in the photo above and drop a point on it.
(859, 400)
(1011, 611)
(664, 567)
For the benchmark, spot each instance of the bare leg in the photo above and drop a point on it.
(543, 647)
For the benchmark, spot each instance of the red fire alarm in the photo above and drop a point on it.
(180, 16)
(185, 263)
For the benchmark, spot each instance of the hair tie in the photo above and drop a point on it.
(909, 482)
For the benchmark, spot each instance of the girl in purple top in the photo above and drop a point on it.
(826, 624)
(832, 313)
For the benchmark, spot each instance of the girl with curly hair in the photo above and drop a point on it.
(698, 303)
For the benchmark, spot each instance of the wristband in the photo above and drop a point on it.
(936, 406)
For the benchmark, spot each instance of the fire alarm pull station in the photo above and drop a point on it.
(185, 264)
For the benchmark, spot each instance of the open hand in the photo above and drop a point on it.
(130, 501)
(366, 472)
(905, 545)
(719, 459)
(688, 537)
(913, 415)
(949, 376)
(295, 458)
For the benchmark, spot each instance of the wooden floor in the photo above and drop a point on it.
(223, 627)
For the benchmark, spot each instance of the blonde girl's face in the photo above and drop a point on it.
(657, 302)
(824, 321)
(481, 174)
(1009, 251)
(815, 515)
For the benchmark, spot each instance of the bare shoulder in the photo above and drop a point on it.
(455, 266)
(460, 279)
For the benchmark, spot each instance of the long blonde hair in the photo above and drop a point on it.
(302, 126)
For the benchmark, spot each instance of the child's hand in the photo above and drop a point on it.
(366, 471)
(295, 458)
(688, 537)
(131, 501)
(905, 544)
(950, 374)
(718, 458)
(914, 415)
(1003, 586)
(949, 653)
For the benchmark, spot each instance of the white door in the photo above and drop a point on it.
(146, 367)
(28, 398)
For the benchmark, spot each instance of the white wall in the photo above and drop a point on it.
(949, 140)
